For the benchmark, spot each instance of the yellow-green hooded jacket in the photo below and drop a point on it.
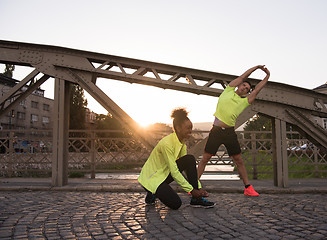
(161, 162)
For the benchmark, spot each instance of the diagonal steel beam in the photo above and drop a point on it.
(112, 107)
(20, 91)
(313, 130)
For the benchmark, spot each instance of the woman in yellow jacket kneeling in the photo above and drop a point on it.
(166, 163)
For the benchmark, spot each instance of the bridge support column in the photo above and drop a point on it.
(280, 161)
(60, 133)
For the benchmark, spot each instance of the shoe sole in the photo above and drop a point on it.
(201, 206)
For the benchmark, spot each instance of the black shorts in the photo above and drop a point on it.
(226, 136)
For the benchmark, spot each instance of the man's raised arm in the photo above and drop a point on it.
(244, 76)
(259, 86)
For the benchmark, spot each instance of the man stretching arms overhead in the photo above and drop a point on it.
(230, 105)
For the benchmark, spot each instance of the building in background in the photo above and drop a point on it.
(34, 112)
(90, 119)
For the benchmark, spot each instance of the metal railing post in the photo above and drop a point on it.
(11, 153)
(254, 153)
(315, 159)
(92, 153)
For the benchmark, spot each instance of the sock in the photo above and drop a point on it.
(246, 186)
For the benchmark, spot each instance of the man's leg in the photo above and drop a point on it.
(249, 191)
(237, 159)
(211, 148)
(202, 164)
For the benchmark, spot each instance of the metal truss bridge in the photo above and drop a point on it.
(281, 102)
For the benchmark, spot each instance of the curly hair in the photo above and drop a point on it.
(179, 116)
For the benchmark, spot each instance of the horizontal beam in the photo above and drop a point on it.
(59, 62)
(45, 58)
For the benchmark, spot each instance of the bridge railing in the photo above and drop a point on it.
(304, 158)
(29, 152)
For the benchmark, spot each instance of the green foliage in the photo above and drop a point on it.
(295, 171)
(123, 166)
(261, 122)
(296, 167)
(78, 105)
(107, 122)
(76, 175)
(258, 123)
(160, 127)
(304, 171)
(9, 70)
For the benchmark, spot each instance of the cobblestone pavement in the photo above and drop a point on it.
(105, 215)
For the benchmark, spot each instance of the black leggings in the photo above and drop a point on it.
(166, 194)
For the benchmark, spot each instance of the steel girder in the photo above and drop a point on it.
(276, 100)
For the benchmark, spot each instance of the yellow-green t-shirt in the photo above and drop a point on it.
(162, 161)
(230, 106)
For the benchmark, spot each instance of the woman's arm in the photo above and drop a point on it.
(170, 159)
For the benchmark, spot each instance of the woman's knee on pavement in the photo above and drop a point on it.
(173, 202)
(168, 196)
(176, 204)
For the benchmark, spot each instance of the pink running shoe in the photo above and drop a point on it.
(250, 191)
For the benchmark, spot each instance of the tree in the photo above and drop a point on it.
(107, 122)
(262, 123)
(9, 70)
(78, 105)
(258, 123)
(160, 127)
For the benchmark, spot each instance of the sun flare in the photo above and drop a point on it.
(144, 125)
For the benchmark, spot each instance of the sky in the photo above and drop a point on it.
(288, 36)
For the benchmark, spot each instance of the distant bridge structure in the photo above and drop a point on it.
(281, 102)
